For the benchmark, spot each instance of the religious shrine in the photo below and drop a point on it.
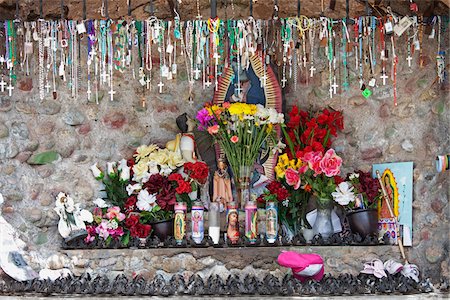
(224, 148)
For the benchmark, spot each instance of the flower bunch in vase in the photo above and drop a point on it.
(242, 131)
(107, 225)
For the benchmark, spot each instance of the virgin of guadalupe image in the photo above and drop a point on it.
(179, 226)
(271, 221)
(390, 185)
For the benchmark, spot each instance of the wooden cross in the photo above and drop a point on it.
(409, 58)
(312, 69)
(160, 85)
(2, 85)
(331, 91)
(10, 89)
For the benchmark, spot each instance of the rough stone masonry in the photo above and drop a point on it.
(75, 133)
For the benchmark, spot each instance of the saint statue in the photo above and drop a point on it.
(184, 142)
(222, 185)
(71, 217)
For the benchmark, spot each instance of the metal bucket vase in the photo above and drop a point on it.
(363, 221)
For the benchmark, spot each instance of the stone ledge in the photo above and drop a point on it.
(221, 261)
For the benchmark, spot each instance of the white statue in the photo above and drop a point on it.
(72, 217)
(11, 247)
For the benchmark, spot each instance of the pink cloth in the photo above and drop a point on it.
(298, 262)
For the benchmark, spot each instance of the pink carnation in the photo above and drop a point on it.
(114, 212)
(331, 163)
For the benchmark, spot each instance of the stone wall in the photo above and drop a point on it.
(79, 132)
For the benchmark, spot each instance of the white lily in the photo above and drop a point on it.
(131, 188)
(124, 170)
(344, 193)
(111, 168)
(100, 203)
(146, 201)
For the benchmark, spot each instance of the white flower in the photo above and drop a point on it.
(96, 172)
(344, 194)
(275, 117)
(146, 201)
(285, 202)
(353, 176)
(279, 147)
(133, 187)
(100, 203)
(153, 167)
(165, 170)
(112, 224)
(110, 167)
(124, 170)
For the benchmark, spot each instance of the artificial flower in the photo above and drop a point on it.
(131, 221)
(98, 174)
(144, 151)
(331, 163)
(203, 116)
(213, 129)
(100, 203)
(111, 168)
(131, 188)
(146, 201)
(234, 139)
(114, 212)
(124, 170)
(344, 194)
(140, 171)
(292, 178)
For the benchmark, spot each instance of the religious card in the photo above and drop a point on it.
(398, 181)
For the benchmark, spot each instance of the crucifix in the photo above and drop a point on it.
(47, 87)
(207, 83)
(331, 91)
(409, 58)
(88, 92)
(312, 69)
(283, 82)
(104, 75)
(10, 89)
(384, 77)
(148, 81)
(160, 85)
(197, 73)
(334, 85)
(216, 56)
(2, 85)
(111, 93)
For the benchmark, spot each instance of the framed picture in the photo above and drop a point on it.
(398, 181)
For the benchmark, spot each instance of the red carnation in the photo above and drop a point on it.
(131, 221)
(183, 187)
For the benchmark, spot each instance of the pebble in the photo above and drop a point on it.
(49, 107)
(74, 117)
(114, 120)
(4, 131)
(5, 104)
(407, 145)
(19, 130)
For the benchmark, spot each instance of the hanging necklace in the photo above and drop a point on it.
(41, 59)
(345, 39)
(420, 41)
(312, 35)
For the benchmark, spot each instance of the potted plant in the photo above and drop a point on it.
(362, 212)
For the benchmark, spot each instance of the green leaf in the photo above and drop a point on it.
(43, 158)
(126, 239)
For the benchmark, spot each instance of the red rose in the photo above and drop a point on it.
(155, 183)
(132, 221)
(130, 204)
(183, 187)
(140, 230)
(200, 172)
(166, 197)
(175, 177)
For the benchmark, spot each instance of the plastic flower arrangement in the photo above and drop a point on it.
(368, 187)
(241, 130)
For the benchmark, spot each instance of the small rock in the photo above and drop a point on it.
(9, 169)
(114, 120)
(31, 146)
(438, 108)
(41, 238)
(390, 132)
(23, 156)
(19, 130)
(407, 145)
(8, 209)
(33, 214)
(48, 107)
(45, 127)
(371, 153)
(437, 206)
(25, 84)
(394, 148)
(5, 104)
(56, 262)
(25, 108)
(74, 117)
(357, 100)
(12, 150)
(84, 129)
(45, 171)
(385, 111)
(14, 197)
(4, 131)
(433, 254)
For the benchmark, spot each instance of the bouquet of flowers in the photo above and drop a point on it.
(187, 182)
(241, 130)
(369, 188)
(107, 225)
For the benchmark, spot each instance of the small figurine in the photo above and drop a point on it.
(184, 142)
(72, 217)
(222, 185)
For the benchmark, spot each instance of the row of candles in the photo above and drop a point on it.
(232, 219)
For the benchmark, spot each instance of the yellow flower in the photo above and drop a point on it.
(279, 171)
(283, 160)
(269, 127)
(235, 108)
(213, 109)
(144, 151)
(139, 169)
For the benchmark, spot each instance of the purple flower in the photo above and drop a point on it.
(204, 117)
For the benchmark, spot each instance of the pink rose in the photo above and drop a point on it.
(114, 212)
(213, 129)
(234, 139)
(313, 159)
(331, 163)
(292, 178)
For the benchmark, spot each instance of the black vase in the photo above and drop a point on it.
(363, 221)
(163, 229)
